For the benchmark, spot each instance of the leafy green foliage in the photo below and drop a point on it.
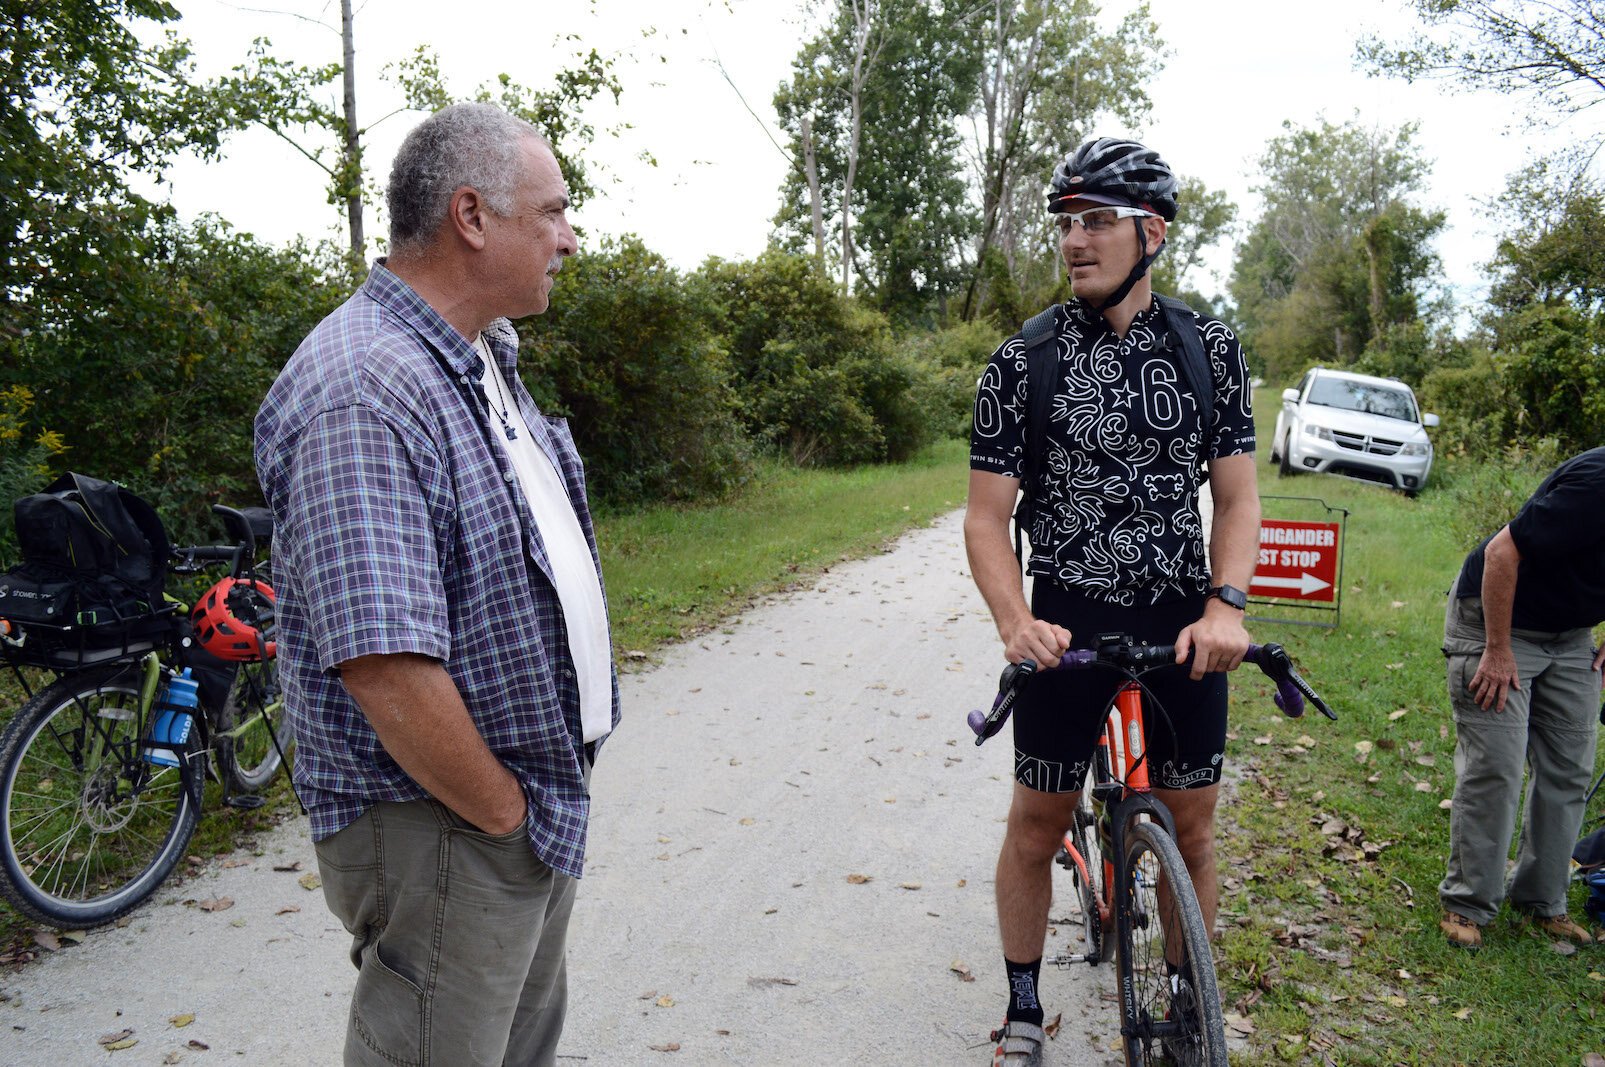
(1551, 49)
(628, 352)
(85, 103)
(951, 362)
(1545, 324)
(820, 376)
(900, 159)
(151, 368)
(1340, 256)
(1046, 77)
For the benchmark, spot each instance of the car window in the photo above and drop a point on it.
(1363, 396)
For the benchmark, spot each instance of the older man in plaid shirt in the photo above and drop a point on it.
(443, 635)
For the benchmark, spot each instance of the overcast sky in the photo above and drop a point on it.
(1235, 71)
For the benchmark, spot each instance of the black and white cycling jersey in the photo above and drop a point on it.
(1117, 518)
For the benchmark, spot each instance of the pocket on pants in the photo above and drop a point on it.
(387, 1011)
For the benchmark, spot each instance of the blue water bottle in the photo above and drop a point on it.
(175, 717)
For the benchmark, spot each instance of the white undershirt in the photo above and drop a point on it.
(579, 587)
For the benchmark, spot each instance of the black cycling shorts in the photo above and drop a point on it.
(1060, 714)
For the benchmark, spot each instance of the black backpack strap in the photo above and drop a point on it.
(1041, 361)
(1183, 328)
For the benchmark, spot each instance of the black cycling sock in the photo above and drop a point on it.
(1023, 1003)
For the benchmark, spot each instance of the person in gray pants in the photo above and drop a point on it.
(1524, 683)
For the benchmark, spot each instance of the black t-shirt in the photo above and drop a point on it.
(1119, 517)
(1560, 533)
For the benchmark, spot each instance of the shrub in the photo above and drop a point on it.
(819, 375)
(950, 362)
(628, 352)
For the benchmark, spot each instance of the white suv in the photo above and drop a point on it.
(1354, 425)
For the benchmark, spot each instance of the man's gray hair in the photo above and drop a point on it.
(476, 145)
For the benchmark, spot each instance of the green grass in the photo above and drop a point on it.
(674, 571)
(1333, 854)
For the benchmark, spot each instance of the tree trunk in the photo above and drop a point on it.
(811, 172)
(351, 161)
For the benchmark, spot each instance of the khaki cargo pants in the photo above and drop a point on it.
(458, 937)
(1548, 725)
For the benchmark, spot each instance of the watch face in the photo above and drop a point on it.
(1231, 595)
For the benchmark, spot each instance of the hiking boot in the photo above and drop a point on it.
(1019, 1044)
(1460, 930)
(1562, 928)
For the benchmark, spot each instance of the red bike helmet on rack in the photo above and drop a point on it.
(234, 620)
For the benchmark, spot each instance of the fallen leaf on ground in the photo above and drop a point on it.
(309, 881)
(961, 969)
(287, 867)
(908, 885)
(288, 909)
(1052, 1028)
(1240, 1024)
(1446, 803)
(235, 861)
(648, 995)
(665, 1001)
(1593, 1059)
(198, 1046)
(857, 879)
(183, 1020)
(1565, 948)
(75, 937)
(46, 940)
(672, 1046)
(748, 821)
(119, 1040)
(216, 904)
(1395, 716)
(175, 1056)
(1463, 1014)
(1423, 787)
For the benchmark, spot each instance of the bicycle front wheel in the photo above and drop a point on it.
(88, 828)
(252, 717)
(1169, 1002)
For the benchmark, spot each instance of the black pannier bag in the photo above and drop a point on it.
(94, 561)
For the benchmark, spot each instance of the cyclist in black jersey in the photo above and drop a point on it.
(1116, 541)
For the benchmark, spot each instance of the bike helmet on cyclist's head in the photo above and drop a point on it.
(234, 620)
(1108, 170)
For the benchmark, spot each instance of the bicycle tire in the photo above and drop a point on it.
(1083, 836)
(248, 759)
(88, 829)
(1165, 1019)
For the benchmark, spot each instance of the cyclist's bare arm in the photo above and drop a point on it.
(997, 572)
(1217, 641)
(419, 715)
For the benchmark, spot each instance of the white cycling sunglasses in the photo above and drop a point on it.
(1101, 219)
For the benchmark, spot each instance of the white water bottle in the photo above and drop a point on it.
(175, 717)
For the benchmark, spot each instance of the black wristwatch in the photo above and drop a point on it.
(1230, 594)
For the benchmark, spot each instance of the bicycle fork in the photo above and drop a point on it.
(1120, 745)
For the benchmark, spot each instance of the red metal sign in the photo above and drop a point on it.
(1297, 560)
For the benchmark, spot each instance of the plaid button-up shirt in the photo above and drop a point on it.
(400, 527)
